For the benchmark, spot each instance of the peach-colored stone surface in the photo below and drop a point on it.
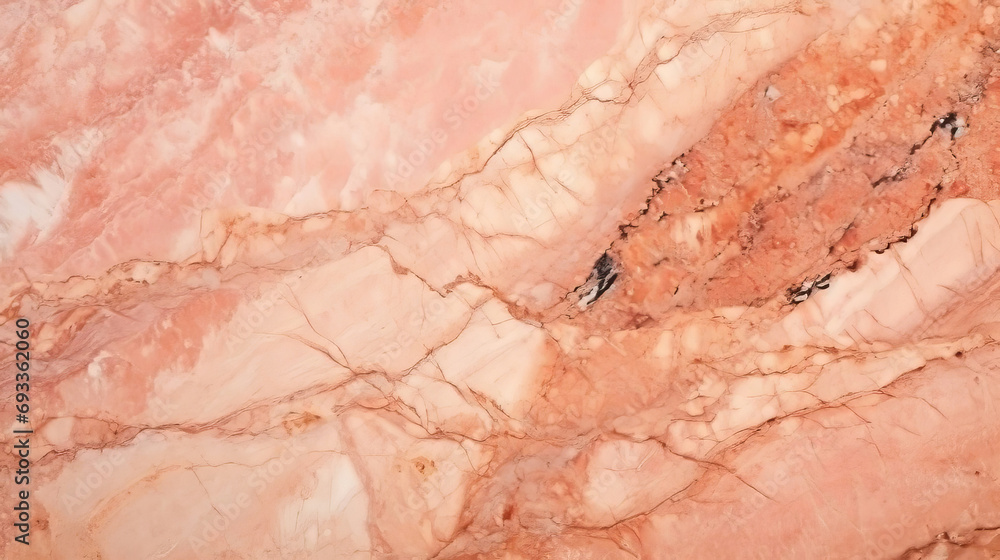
(547, 279)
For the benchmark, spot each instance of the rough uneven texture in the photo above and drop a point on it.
(555, 279)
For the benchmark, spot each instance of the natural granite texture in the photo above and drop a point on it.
(536, 279)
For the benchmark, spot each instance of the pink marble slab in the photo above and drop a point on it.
(556, 279)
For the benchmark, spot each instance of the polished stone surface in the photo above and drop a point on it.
(572, 280)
